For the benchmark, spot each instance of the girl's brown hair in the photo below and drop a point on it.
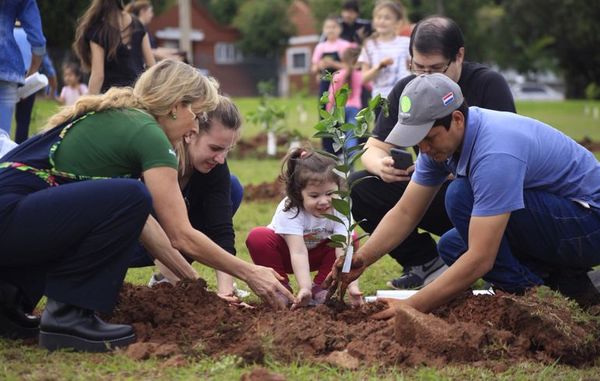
(300, 167)
(135, 7)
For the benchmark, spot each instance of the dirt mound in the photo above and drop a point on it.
(588, 143)
(264, 191)
(187, 320)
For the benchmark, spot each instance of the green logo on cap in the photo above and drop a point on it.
(405, 104)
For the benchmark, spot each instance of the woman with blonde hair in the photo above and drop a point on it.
(72, 209)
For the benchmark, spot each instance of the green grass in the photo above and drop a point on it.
(19, 362)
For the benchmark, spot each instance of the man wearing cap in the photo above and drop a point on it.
(436, 46)
(525, 201)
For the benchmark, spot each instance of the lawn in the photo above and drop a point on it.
(27, 362)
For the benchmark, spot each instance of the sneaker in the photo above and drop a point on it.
(157, 278)
(416, 277)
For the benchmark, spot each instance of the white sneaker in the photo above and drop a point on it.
(157, 278)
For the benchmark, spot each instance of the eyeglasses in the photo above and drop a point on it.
(419, 69)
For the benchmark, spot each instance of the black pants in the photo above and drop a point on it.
(373, 198)
(23, 111)
(73, 242)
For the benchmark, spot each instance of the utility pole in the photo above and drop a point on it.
(185, 28)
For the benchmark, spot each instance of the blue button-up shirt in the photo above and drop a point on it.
(11, 60)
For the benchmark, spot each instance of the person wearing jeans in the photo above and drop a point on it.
(12, 72)
(525, 201)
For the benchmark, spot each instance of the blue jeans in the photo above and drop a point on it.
(351, 140)
(8, 100)
(550, 235)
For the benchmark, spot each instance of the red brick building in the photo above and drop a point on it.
(214, 49)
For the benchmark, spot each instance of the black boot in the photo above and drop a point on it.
(578, 286)
(68, 326)
(15, 323)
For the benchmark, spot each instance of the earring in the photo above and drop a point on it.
(173, 116)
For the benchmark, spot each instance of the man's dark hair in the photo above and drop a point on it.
(437, 35)
(350, 5)
(447, 120)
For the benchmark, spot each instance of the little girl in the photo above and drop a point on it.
(296, 240)
(351, 76)
(385, 56)
(73, 87)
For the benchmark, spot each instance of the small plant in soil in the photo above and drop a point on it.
(333, 125)
(268, 115)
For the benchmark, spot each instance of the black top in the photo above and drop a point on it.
(481, 86)
(350, 31)
(208, 199)
(128, 62)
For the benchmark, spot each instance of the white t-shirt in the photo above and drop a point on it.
(5, 143)
(70, 95)
(314, 229)
(375, 51)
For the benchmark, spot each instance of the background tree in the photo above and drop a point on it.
(264, 26)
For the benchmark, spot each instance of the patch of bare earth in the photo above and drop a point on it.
(188, 321)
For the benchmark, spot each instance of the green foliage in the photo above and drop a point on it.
(264, 26)
(592, 91)
(224, 11)
(333, 125)
(268, 115)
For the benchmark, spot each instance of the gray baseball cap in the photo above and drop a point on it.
(425, 99)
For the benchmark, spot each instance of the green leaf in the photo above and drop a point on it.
(337, 147)
(324, 114)
(336, 244)
(333, 218)
(338, 238)
(342, 193)
(341, 97)
(324, 98)
(343, 168)
(347, 127)
(325, 153)
(374, 102)
(322, 134)
(341, 206)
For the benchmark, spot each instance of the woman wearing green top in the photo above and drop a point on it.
(72, 209)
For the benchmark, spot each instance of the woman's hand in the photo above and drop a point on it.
(266, 283)
(302, 299)
(389, 174)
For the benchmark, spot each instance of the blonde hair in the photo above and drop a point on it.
(156, 91)
(226, 112)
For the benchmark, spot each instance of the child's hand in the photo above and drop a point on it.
(302, 299)
(355, 296)
(386, 62)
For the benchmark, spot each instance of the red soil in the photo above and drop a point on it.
(188, 321)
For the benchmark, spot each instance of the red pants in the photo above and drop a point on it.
(270, 249)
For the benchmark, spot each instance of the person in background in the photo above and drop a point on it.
(143, 10)
(354, 29)
(12, 67)
(436, 46)
(351, 76)
(212, 195)
(384, 58)
(296, 240)
(327, 58)
(112, 44)
(24, 107)
(73, 88)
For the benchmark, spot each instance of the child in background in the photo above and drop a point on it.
(73, 87)
(296, 240)
(327, 57)
(385, 56)
(351, 76)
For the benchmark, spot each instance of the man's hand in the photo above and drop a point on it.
(355, 296)
(389, 174)
(266, 283)
(339, 280)
(393, 306)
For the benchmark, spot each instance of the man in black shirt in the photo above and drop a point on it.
(436, 46)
